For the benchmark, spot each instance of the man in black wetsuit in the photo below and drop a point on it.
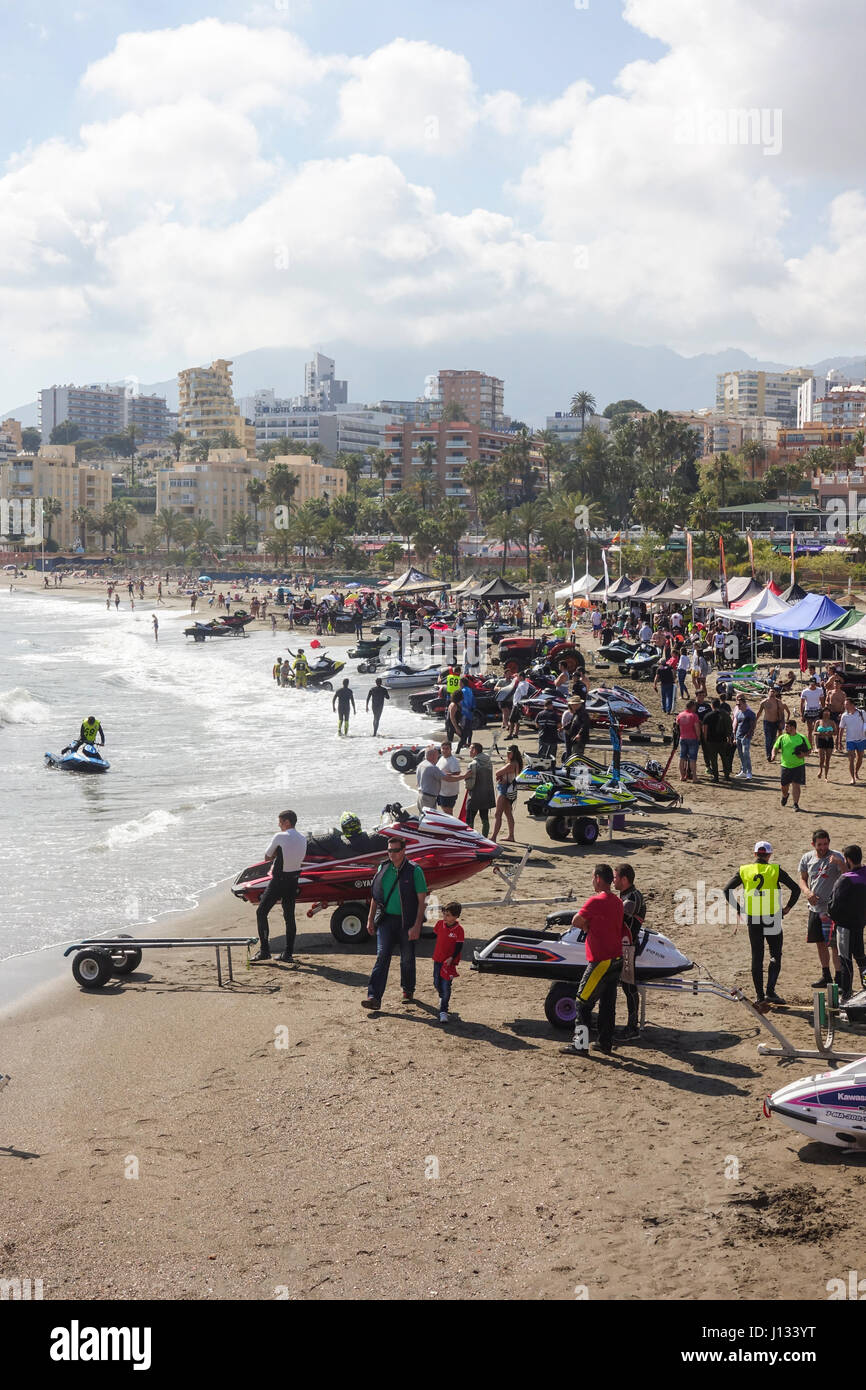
(634, 912)
(376, 696)
(760, 883)
(342, 702)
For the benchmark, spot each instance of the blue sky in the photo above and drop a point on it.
(188, 181)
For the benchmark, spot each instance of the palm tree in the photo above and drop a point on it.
(752, 452)
(551, 452)
(242, 528)
(304, 529)
(84, 521)
(721, 469)
(227, 439)
(123, 515)
(353, 467)
(282, 485)
(452, 528)
(202, 530)
(405, 516)
(504, 527)
(51, 508)
(177, 441)
(474, 475)
(104, 525)
(277, 545)
(256, 490)
(314, 451)
(201, 449)
(168, 520)
(380, 463)
(583, 404)
(528, 519)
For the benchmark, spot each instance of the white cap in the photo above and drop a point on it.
(763, 845)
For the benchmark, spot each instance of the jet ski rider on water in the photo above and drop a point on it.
(90, 730)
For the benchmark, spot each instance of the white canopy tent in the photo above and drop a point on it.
(579, 589)
(762, 605)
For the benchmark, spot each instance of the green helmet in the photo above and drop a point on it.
(349, 824)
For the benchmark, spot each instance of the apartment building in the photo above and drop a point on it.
(481, 398)
(206, 405)
(216, 489)
(10, 438)
(841, 406)
(316, 480)
(104, 409)
(568, 428)
(54, 473)
(455, 443)
(748, 392)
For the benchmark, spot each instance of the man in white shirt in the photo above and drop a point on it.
(449, 766)
(852, 726)
(811, 703)
(676, 621)
(596, 623)
(288, 850)
(645, 632)
(521, 691)
(429, 777)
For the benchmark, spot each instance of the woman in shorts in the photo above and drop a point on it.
(825, 741)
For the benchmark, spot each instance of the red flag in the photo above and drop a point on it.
(462, 815)
(804, 660)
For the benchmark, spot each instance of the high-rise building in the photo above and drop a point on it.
(481, 398)
(322, 391)
(568, 428)
(454, 446)
(841, 405)
(744, 393)
(206, 404)
(102, 410)
(54, 473)
(216, 489)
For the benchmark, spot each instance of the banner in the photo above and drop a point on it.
(724, 580)
(751, 552)
(606, 575)
(793, 581)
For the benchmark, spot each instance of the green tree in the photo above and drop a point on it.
(504, 527)
(529, 519)
(243, 529)
(405, 515)
(177, 441)
(201, 449)
(104, 526)
(64, 433)
(474, 475)
(256, 490)
(619, 411)
(227, 439)
(452, 528)
(204, 533)
(353, 465)
(718, 473)
(168, 521)
(31, 438)
(305, 529)
(380, 463)
(123, 515)
(583, 404)
(552, 453)
(84, 521)
(283, 483)
(752, 452)
(52, 507)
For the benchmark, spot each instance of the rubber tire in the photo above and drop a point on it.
(129, 962)
(402, 761)
(91, 969)
(556, 1006)
(624, 670)
(353, 912)
(557, 827)
(326, 685)
(585, 831)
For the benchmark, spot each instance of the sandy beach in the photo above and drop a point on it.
(286, 1143)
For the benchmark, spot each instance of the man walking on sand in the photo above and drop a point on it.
(287, 849)
(820, 868)
(376, 696)
(852, 727)
(775, 714)
(602, 918)
(793, 750)
(397, 902)
(343, 702)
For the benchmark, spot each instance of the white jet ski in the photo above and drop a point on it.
(829, 1108)
(403, 677)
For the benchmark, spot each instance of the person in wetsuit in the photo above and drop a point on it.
(376, 697)
(764, 912)
(342, 702)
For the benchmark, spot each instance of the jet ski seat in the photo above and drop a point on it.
(334, 846)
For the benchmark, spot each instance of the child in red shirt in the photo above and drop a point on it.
(446, 954)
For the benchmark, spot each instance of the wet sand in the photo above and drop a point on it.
(286, 1140)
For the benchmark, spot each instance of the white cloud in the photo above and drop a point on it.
(409, 96)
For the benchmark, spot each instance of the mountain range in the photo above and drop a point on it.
(541, 374)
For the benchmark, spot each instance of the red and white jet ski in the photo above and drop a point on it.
(829, 1108)
(340, 871)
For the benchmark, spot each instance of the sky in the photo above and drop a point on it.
(181, 182)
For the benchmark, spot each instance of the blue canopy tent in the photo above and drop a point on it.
(809, 615)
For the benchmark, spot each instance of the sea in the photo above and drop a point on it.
(204, 748)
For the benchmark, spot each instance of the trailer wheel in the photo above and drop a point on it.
(402, 760)
(349, 924)
(560, 1006)
(325, 685)
(557, 827)
(124, 962)
(585, 832)
(91, 969)
(624, 670)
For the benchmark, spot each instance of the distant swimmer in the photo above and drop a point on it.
(342, 702)
(116, 602)
(377, 697)
(155, 628)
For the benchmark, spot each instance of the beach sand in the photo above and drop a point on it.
(386, 1156)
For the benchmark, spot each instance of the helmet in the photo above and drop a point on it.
(349, 824)
(654, 768)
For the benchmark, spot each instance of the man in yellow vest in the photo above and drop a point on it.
(760, 883)
(301, 669)
(452, 681)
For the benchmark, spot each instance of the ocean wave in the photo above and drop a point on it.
(18, 706)
(130, 832)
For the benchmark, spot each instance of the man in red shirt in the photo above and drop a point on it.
(602, 919)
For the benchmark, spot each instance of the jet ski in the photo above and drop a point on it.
(617, 650)
(320, 671)
(403, 677)
(829, 1107)
(570, 810)
(85, 758)
(643, 664)
(218, 627)
(560, 955)
(240, 618)
(646, 783)
(340, 871)
(627, 709)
